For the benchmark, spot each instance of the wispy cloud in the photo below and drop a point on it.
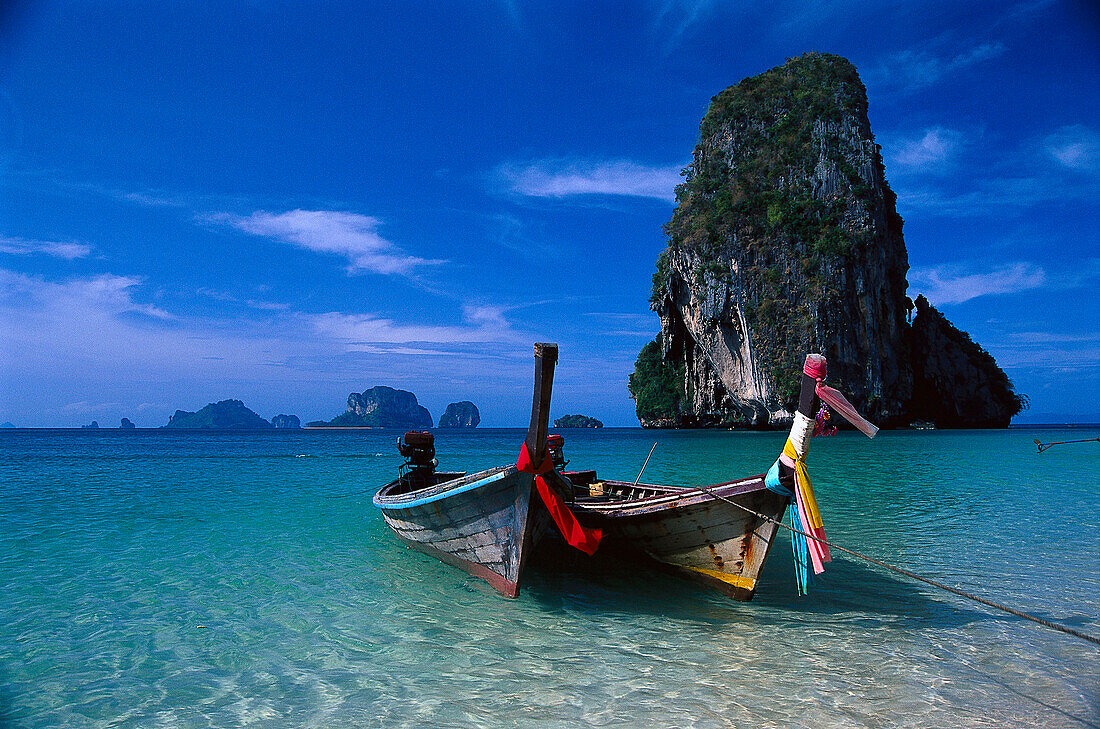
(105, 294)
(992, 196)
(58, 249)
(1076, 147)
(954, 285)
(1040, 171)
(932, 150)
(259, 304)
(620, 324)
(1061, 351)
(1054, 337)
(914, 70)
(362, 332)
(350, 235)
(675, 17)
(559, 179)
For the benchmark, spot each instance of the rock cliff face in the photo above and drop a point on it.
(460, 415)
(126, 424)
(382, 407)
(956, 384)
(785, 240)
(224, 415)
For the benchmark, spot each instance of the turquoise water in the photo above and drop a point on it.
(153, 579)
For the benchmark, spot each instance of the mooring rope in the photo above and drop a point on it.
(913, 575)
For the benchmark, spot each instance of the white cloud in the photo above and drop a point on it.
(950, 285)
(485, 316)
(1076, 147)
(353, 236)
(58, 249)
(359, 332)
(913, 70)
(259, 304)
(103, 295)
(557, 179)
(936, 146)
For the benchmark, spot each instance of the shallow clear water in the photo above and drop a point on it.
(190, 580)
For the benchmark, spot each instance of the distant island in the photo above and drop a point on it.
(224, 415)
(577, 421)
(460, 415)
(380, 407)
(8, 425)
(94, 425)
(126, 424)
(286, 422)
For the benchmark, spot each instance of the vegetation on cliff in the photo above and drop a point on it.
(656, 386)
(753, 194)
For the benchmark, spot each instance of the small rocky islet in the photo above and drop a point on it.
(463, 414)
(577, 421)
(380, 407)
(224, 415)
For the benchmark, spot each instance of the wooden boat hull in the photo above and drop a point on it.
(692, 530)
(479, 523)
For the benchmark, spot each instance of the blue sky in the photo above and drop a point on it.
(287, 202)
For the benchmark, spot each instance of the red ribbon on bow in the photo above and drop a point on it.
(586, 540)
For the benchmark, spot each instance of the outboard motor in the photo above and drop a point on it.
(418, 449)
(555, 444)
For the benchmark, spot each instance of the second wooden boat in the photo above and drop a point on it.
(719, 535)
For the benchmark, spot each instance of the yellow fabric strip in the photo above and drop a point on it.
(804, 485)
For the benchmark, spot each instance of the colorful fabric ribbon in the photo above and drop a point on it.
(586, 540)
(807, 517)
(810, 555)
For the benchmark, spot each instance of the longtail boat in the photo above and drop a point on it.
(485, 523)
(720, 535)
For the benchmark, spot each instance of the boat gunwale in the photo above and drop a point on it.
(688, 496)
(439, 491)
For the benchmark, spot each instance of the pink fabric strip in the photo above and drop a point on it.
(820, 534)
(839, 403)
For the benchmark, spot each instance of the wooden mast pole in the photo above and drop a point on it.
(546, 356)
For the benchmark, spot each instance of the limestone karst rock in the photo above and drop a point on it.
(785, 241)
(381, 407)
(462, 414)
